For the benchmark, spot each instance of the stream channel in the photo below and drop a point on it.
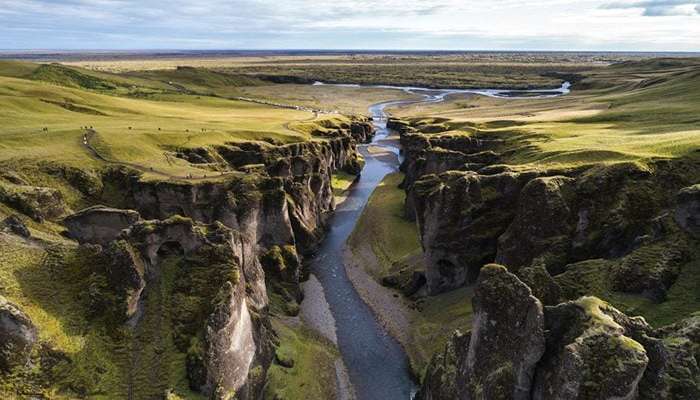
(376, 362)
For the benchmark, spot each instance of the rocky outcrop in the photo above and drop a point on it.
(542, 225)
(14, 224)
(99, 224)
(205, 239)
(287, 204)
(125, 272)
(471, 210)
(39, 203)
(556, 218)
(461, 215)
(583, 350)
(219, 295)
(435, 154)
(444, 373)
(362, 131)
(675, 361)
(507, 338)
(590, 353)
(687, 213)
(17, 336)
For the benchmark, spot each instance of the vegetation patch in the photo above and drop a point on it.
(305, 367)
(382, 225)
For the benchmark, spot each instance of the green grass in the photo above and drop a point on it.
(391, 237)
(129, 130)
(313, 374)
(341, 182)
(49, 287)
(683, 299)
(434, 324)
(622, 113)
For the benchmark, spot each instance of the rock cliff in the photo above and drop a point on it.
(583, 349)
(180, 272)
(473, 210)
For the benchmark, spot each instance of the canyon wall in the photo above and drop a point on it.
(561, 233)
(207, 253)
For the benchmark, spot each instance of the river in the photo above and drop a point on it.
(376, 363)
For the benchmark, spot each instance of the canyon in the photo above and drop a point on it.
(235, 266)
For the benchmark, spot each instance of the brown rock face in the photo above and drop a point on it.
(99, 224)
(17, 336)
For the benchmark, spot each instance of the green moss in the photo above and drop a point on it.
(628, 344)
(594, 308)
(393, 239)
(313, 374)
(435, 321)
(341, 182)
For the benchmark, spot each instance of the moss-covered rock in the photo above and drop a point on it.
(14, 224)
(443, 374)
(461, 215)
(39, 203)
(589, 355)
(687, 213)
(542, 225)
(17, 336)
(506, 342)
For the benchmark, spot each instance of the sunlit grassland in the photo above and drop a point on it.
(128, 129)
(619, 114)
(341, 183)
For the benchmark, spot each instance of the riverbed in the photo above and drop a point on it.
(375, 361)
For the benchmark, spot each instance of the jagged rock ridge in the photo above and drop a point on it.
(583, 349)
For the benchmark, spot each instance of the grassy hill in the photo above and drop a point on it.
(43, 117)
(630, 111)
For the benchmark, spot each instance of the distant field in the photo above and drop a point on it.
(343, 99)
(469, 70)
(625, 112)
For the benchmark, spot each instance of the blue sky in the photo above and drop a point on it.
(646, 25)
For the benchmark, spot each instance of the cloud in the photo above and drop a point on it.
(658, 8)
(333, 24)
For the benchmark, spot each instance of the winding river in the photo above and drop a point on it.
(376, 363)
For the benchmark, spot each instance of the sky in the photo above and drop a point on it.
(605, 25)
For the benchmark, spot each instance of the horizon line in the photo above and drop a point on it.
(349, 50)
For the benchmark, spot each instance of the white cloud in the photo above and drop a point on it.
(406, 24)
(659, 8)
